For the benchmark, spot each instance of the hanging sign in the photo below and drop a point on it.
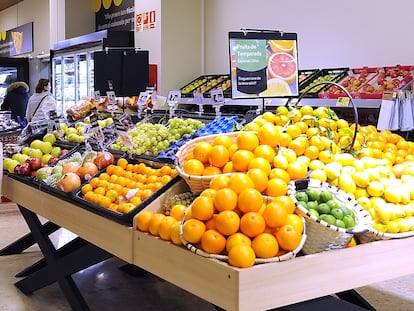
(16, 41)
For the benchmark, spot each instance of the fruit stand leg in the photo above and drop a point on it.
(353, 297)
(27, 240)
(62, 251)
(59, 269)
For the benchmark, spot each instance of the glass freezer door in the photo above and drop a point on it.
(69, 82)
(57, 84)
(81, 77)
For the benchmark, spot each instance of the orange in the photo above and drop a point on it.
(193, 167)
(297, 170)
(265, 151)
(289, 154)
(260, 163)
(177, 211)
(236, 239)
(275, 215)
(143, 220)
(219, 156)
(298, 145)
(209, 192)
(247, 141)
(326, 156)
(228, 168)
(252, 224)
(211, 170)
(265, 245)
(213, 242)
(249, 200)
(242, 256)
(112, 195)
(276, 187)
(268, 116)
(282, 110)
(232, 149)
(259, 179)
(240, 181)
(306, 110)
(155, 222)
(288, 238)
(280, 161)
(165, 170)
(270, 135)
(312, 152)
(286, 201)
(175, 233)
(295, 221)
(227, 222)
(202, 208)
(122, 162)
(293, 130)
(136, 200)
(241, 159)
(211, 223)
(219, 181)
(193, 230)
(279, 173)
(201, 151)
(126, 208)
(225, 199)
(223, 140)
(86, 188)
(164, 230)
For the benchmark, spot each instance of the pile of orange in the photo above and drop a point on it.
(123, 186)
(233, 218)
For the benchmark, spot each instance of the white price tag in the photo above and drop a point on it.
(97, 96)
(198, 98)
(217, 97)
(142, 99)
(343, 102)
(174, 97)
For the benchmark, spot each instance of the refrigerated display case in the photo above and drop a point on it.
(12, 70)
(73, 65)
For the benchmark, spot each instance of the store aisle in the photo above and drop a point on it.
(106, 286)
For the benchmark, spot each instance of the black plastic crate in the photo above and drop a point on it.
(323, 75)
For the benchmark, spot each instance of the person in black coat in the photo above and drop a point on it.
(17, 96)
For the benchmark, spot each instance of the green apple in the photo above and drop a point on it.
(36, 153)
(11, 165)
(56, 151)
(36, 144)
(46, 147)
(49, 137)
(46, 157)
(26, 150)
(109, 121)
(20, 157)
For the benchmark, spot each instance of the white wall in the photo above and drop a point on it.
(349, 33)
(80, 18)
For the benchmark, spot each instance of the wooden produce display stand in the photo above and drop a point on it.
(261, 287)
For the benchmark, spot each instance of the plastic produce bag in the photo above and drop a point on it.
(388, 118)
(406, 111)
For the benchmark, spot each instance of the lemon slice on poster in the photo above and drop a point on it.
(106, 3)
(276, 87)
(117, 2)
(98, 4)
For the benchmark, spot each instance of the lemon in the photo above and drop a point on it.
(384, 213)
(346, 183)
(380, 227)
(361, 179)
(392, 227)
(375, 188)
(373, 174)
(304, 159)
(360, 193)
(344, 158)
(405, 224)
(316, 165)
(392, 194)
(364, 202)
(358, 165)
(319, 175)
(333, 170)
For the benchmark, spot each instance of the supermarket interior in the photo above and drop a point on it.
(210, 155)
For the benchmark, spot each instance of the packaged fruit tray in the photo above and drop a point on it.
(352, 82)
(387, 79)
(130, 203)
(306, 74)
(332, 75)
(329, 204)
(204, 84)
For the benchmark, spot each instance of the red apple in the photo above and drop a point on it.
(23, 169)
(35, 163)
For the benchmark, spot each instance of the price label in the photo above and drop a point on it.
(97, 96)
(174, 97)
(343, 102)
(142, 99)
(217, 97)
(198, 98)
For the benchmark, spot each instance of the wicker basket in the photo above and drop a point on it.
(197, 183)
(286, 256)
(374, 235)
(321, 235)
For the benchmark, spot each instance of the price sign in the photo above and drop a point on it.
(217, 97)
(174, 97)
(97, 96)
(112, 100)
(343, 102)
(198, 98)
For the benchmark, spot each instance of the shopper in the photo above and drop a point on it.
(41, 102)
(17, 96)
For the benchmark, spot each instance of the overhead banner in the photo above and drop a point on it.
(17, 41)
(114, 14)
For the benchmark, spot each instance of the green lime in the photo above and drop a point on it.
(312, 193)
(312, 205)
(303, 204)
(323, 208)
(325, 196)
(349, 221)
(347, 211)
(314, 212)
(339, 223)
(333, 203)
(301, 196)
(337, 213)
(328, 218)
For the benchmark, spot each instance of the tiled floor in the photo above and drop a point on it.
(107, 287)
